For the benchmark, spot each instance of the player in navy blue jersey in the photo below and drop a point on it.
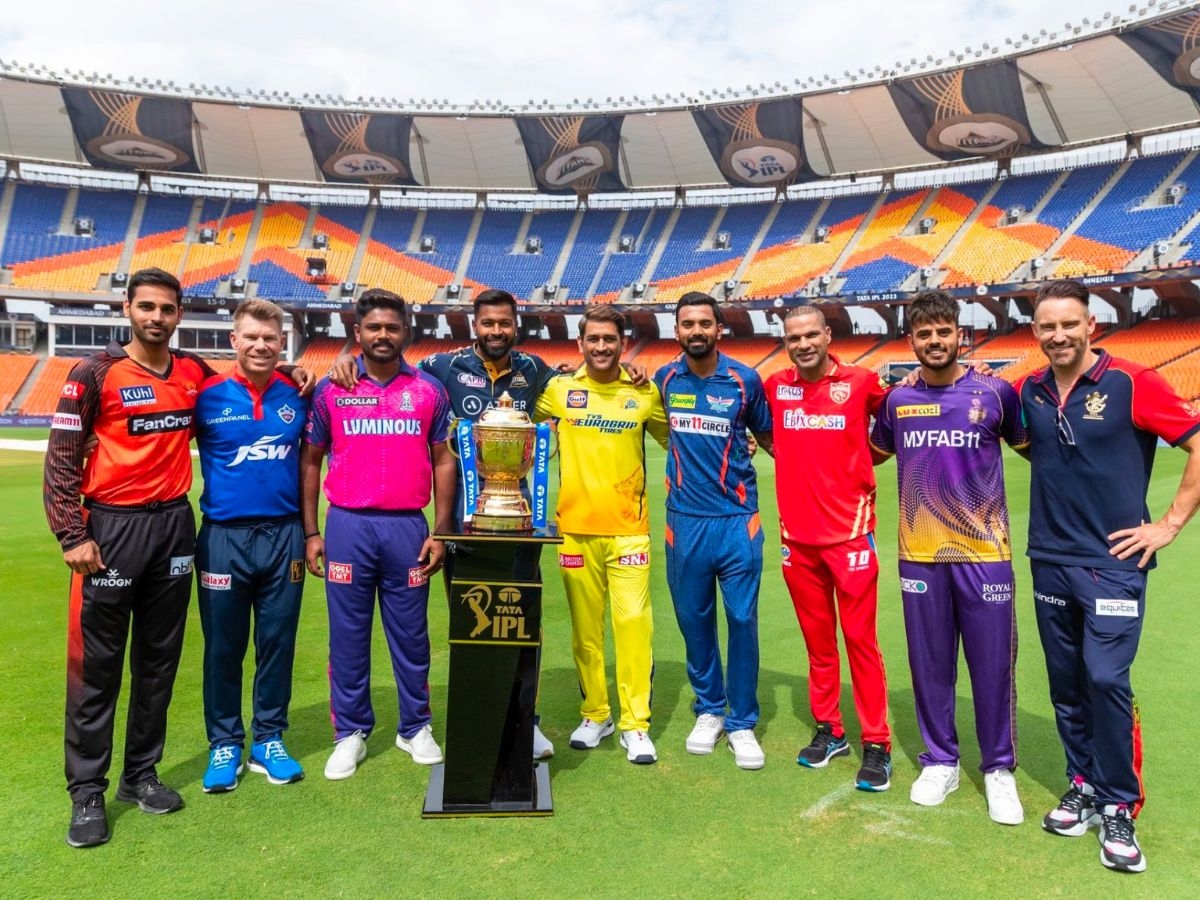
(250, 550)
(1095, 421)
(714, 536)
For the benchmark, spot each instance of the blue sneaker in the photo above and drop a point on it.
(224, 767)
(823, 748)
(271, 758)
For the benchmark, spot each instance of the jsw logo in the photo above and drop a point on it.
(263, 448)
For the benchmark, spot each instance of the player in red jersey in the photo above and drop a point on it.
(821, 413)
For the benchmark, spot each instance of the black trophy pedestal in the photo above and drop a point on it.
(494, 588)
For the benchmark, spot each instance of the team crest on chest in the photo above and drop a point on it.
(406, 402)
(518, 380)
(718, 404)
(286, 413)
(1094, 403)
(839, 391)
(976, 414)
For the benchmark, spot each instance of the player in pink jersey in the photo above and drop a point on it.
(386, 441)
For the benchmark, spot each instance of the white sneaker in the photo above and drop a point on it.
(746, 751)
(933, 785)
(705, 734)
(421, 747)
(542, 748)
(1004, 804)
(639, 749)
(347, 754)
(589, 734)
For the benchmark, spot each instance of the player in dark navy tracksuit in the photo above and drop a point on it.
(1095, 421)
(250, 550)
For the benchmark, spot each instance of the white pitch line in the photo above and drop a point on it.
(827, 801)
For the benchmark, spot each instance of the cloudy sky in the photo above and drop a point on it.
(467, 50)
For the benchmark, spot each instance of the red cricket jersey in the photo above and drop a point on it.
(824, 477)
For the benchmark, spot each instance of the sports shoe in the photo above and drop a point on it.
(1118, 845)
(875, 774)
(271, 758)
(150, 795)
(421, 747)
(823, 748)
(705, 734)
(589, 734)
(639, 749)
(224, 767)
(89, 824)
(933, 785)
(1076, 811)
(347, 754)
(542, 748)
(1004, 804)
(746, 751)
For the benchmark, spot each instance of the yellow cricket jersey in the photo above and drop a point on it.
(601, 457)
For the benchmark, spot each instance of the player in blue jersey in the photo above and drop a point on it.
(714, 536)
(250, 550)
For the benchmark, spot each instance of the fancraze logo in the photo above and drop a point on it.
(157, 423)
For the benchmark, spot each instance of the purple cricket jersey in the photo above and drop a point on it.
(378, 438)
(950, 466)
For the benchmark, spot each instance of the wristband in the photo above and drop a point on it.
(313, 535)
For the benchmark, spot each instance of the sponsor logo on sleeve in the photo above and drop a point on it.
(634, 559)
(913, 586)
(72, 390)
(297, 566)
(340, 573)
(1126, 608)
(577, 399)
(570, 560)
(137, 395)
(417, 577)
(181, 565)
(215, 581)
(789, 392)
(66, 422)
(921, 410)
(681, 401)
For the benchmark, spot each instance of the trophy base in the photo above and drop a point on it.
(502, 524)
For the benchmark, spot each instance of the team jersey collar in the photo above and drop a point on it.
(405, 369)
(1094, 374)
(835, 366)
(581, 374)
(235, 375)
(489, 369)
(681, 366)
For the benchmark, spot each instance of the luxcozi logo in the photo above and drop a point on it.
(264, 448)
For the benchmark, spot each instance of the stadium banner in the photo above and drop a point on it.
(129, 131)
(967, 112)
(1172, 48)
(360, 148)
(573, 154)
(757, 144)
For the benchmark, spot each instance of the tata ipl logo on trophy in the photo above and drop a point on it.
(501, 619)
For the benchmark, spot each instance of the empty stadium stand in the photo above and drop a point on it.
(14, 369)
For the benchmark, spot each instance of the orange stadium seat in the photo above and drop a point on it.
(1153, 343)
(1183, 375)
(42, 400)
(14, 369)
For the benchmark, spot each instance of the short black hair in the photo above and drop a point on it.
(378, 298)
(495, 297)
(696, 298)
(153, 276)
(932, 306)
(602, 312)
(1062, 287)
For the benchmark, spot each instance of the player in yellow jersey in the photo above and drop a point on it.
(603, 518)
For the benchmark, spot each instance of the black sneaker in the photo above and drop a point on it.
(876, 771)
(1118, 845)
(151, 796)
(89, 824)
(1076, 811)
(823, 748)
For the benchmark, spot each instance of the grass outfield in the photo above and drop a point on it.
(686, 826)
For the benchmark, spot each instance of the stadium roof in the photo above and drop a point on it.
(1120, 78)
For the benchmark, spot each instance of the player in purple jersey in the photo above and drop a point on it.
(386, 440)
(956, 574)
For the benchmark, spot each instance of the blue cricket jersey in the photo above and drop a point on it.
(709, 470)
(249, 448)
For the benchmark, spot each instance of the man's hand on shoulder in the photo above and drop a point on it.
(344, 371)
(637, 373)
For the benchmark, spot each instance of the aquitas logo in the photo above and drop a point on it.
(264, 448)
(137, 395)
(913, 586)
(799, 420)
(760, 161)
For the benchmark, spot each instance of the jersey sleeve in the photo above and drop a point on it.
(758, 412)
(1160, 411)
(440, 426)
(317, 428)
(78, 406)
(547, 403)
(883, 432)
(545, 373)
(877, 389)
(657, 423)
(1012, 426)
